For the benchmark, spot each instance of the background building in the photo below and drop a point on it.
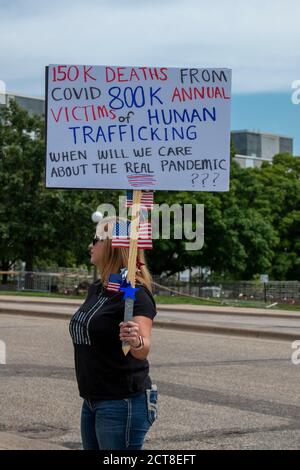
(253, 147)
(31, 104)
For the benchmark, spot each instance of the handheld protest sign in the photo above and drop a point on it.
(138, 128)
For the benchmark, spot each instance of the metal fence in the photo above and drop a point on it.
(268, 292)
(66, 282)
(69, 281)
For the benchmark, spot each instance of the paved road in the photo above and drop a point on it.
(273, 323)
(216, 392)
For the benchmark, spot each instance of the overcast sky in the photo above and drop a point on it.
(259, 40)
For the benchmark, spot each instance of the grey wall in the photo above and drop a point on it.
(32, 105)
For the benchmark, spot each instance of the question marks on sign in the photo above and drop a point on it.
(214, 180)
(194, 177)
(204, 179)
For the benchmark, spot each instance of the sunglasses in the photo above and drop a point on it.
(97, 239)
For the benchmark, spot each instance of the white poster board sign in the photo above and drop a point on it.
(138, 127)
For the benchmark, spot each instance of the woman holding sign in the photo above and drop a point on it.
(120, 401)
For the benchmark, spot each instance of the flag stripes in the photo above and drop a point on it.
(121, 235)
(147, 199)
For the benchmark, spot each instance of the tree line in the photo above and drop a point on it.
(251, 229)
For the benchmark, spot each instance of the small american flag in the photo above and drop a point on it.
(140, 181)
(145, 235)
(120, 237)
(147, 199)
(114, 282)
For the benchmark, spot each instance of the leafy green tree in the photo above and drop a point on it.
(38, 223)
(282, 194)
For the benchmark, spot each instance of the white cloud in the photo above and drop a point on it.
(259, 40)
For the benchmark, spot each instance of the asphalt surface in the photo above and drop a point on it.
(215, 392)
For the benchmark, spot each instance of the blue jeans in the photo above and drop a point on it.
(118, 424)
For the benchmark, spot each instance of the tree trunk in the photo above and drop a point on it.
(4, 267)
(29, 274)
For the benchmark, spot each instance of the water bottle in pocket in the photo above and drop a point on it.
(152, 403)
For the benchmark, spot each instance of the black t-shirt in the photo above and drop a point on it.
(103, 371)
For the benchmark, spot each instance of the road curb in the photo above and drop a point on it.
(39, 301)
(36, 314)
(165, 307)
(271, 314)
(222, 330)
(192, 327)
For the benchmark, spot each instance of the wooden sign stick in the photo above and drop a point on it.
(133, 247)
